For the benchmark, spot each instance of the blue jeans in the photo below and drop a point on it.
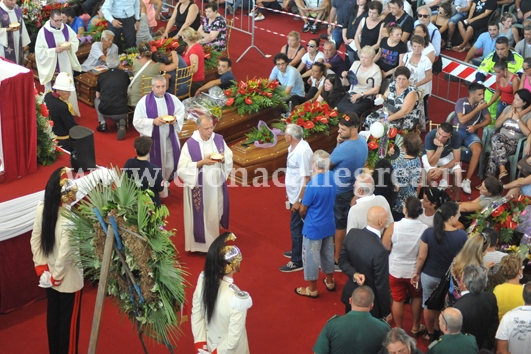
(295, 226)
(458, 17)
(337, 36)
(500, 108)
(315, 253)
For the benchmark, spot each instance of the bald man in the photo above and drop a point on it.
(365, 261)
(450, 322)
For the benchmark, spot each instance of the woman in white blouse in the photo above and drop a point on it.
(312, 55)
(420, 67)
(369, 79)
(429, 49)
(402, 238)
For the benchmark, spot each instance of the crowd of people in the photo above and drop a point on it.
(395, 242)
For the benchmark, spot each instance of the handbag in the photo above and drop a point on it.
(436, 68)
(437, 299)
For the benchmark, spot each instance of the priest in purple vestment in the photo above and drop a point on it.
(14, 40)
(204, 166)
(160, 115)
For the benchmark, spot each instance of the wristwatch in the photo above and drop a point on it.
(362, 95)
(300, 200)
(518, 9)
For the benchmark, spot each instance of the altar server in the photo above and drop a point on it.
(219, 307)
(14, 40)
(55, 51)
(160, 115)
(204, 166)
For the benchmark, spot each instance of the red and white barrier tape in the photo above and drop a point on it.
(465, 72)
(299, 16)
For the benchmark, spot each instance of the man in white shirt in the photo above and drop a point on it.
(514, 332)
(365, 199)
(298, 173)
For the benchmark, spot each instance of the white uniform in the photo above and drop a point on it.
(226, 331)
(47, 59)
(213, 177)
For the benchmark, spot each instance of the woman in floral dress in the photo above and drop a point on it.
(213, 28)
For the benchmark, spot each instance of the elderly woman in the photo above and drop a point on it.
(420, 67)
(402, 238)
(507, 84)
(408, 170)
(428, 49)
(391, 52)
(195, 56)
(312, 55)
(513, 127)
(61, 111)
(142, 66)
(478, 18)
(294, 50)
(213, 28)
(398, 342)
(100, 50)
(369, 31)
(401, 103)
(367, 82)
(357, 13)
(56, 262)
(438, 247)
(185, 15)
(509, 294)
(332, 92)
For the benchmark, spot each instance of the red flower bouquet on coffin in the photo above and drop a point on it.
(254, 95)
(313, 118)
(164, 44)
(504, 216)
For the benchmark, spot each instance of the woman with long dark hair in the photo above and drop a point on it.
(438, 247)
(432, 199)
(55, 263)
(219, 306)
(384, 182)
(333, 91)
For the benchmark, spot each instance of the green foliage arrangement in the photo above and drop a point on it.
(262, 135)
(46, 143)
(211, 57)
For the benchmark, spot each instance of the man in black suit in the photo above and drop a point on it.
(365, 261)
(479, 308)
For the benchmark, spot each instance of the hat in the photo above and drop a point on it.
(352, 78)
(64, 82)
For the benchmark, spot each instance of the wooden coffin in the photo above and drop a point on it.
(232, 126)
(210, 75)
(86, 87)
(82, 53)
(254, 164)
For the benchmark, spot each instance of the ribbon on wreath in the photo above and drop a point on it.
(275, 132)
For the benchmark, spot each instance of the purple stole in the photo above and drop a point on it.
(50, 40)
(197, 192)
(9, 51)
(155, 155)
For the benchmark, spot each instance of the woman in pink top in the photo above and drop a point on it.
(195, 56)
(525, 82)
(507, 84)
(153, 15)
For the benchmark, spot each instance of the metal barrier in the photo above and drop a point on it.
(456, 74)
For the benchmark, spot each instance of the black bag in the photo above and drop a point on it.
(437, 299)
(436, 68)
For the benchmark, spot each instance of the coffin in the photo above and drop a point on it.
(254, 165)
(232, 126)
(210, 75)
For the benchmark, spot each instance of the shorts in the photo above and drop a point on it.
(429, 284)
(401, 287)
(458, 17)
(341, 208)
(469, 138)
(526, 190)
(442, 161)
(317, 253)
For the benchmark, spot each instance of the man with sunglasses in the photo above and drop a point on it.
(453, 341)
(424, 17)
(55, 51)
(442, 152)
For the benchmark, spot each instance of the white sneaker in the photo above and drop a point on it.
(465, 185)
(260, 17)
(443, 183)
(252, 14)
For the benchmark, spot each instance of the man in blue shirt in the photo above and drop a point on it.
(348, 157)
(70, 18)
(288, 76)
(318, 230)
(225, 77)
(123, 17)
(485, 41)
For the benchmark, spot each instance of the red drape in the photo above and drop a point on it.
(19, 284)
(19, 125)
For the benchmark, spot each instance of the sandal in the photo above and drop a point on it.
(330, 287)
(421, 329)
(306, 292)
(429, 337)
(503, 174)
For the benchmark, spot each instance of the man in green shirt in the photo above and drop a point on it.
(357, 331)
(453, 341)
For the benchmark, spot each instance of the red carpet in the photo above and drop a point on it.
(279, 321)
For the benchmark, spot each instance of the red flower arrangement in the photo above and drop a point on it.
(254, 95)
(313, 117)
(374, 143)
